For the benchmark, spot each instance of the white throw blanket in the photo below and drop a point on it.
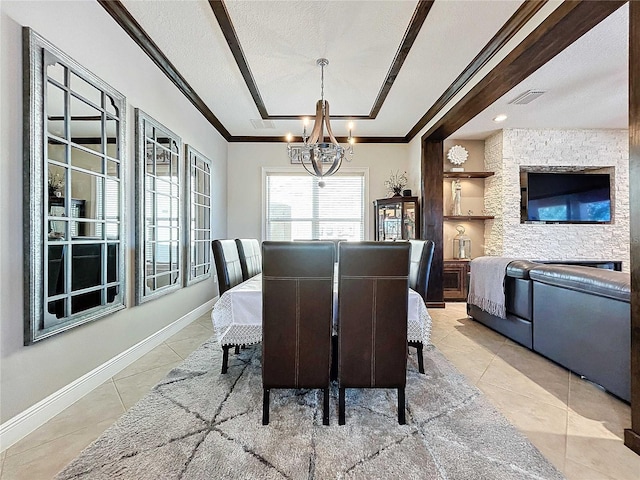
(486, 287)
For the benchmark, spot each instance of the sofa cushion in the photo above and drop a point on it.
(520, 269)
(596, 281)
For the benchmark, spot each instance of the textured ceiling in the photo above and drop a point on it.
(586, 86)
(281, 41)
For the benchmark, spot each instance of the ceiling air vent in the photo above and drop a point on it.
(526, 97)
(259, 124)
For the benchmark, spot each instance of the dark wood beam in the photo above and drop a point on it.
(272, 139)
(509, 29)
(432, 208)
(229, 32)
(221, 14)
(417, 20)
(312, 115)
(129, 24)
(565, 25)
(632, 435)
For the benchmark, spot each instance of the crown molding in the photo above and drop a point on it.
(121, 15)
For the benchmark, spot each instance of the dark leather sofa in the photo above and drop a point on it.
(577, 316)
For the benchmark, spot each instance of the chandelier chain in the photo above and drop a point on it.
(322, 83)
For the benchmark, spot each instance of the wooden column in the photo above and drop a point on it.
(432, 205)
(632, 435)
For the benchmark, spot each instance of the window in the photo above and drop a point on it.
(296, 208)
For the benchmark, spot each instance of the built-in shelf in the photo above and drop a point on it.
(468, 217)
(467, 174)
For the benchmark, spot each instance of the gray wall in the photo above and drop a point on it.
(89, 35)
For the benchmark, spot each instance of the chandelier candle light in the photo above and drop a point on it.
(319, 158)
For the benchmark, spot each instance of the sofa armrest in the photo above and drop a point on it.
(594, 281)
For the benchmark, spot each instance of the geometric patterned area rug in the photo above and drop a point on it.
(200, 424)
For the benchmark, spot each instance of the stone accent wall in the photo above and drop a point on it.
(508, 150)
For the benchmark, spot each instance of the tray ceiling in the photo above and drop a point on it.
(281, 40)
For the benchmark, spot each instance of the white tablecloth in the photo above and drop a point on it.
(237, 315)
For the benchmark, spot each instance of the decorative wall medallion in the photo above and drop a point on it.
(457, 155)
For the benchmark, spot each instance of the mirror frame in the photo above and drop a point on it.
(35, 186)
(191, 157)
(142, 200)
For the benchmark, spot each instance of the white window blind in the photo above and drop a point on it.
(298, 209)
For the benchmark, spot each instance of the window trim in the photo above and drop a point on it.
(364, 171)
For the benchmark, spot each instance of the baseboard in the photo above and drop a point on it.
(26, 422)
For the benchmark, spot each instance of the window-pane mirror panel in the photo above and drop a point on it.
(158, 203)
(55, 71)
(199, 216)
(86, 125)
(86, 266)
(55, 110)
(113, 168)
(73, 275)
(86, 90)
(112, 138)
(88, 160)
(56, 150)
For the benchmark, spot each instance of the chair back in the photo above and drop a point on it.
(250, 257)
(225, 255)
(420, 267)
(372, 314)
(297, 309)
(335, 241)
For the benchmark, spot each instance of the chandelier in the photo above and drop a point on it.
(319, 158)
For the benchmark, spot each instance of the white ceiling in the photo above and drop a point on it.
(586, 85)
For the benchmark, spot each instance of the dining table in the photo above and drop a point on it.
(237, 315)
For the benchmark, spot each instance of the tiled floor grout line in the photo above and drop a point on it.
(115, 385)
(488, 364)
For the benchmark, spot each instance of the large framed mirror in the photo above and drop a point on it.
(199, 216)
(159, 207)
(74, 227)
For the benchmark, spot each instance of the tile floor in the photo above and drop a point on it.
(578, 427)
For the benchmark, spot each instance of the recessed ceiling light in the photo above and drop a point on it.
(500, 118)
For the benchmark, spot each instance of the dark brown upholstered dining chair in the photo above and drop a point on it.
(250, 257)
(228, 268)
(297, 311)
(229, 271)
(419, 271)
(373, 291)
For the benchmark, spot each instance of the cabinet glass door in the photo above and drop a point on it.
(409, 221)
(389, 222)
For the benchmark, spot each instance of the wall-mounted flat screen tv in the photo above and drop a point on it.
(568, 197)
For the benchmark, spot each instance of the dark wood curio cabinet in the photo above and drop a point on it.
(396, 218)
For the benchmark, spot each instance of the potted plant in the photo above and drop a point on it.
(397, 181)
